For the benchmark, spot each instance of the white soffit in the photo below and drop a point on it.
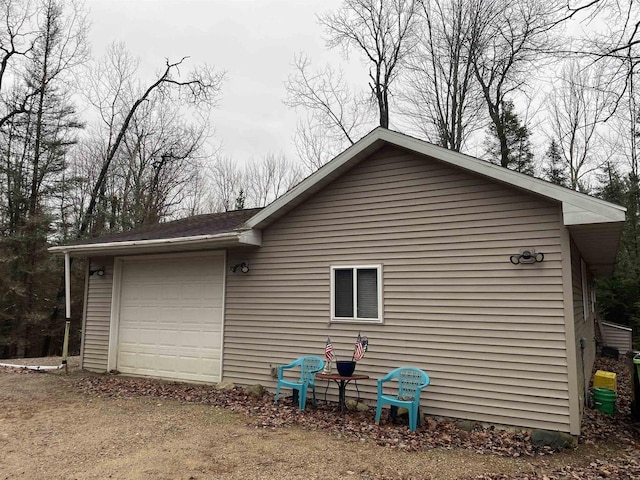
(578, 208)
(579, 215)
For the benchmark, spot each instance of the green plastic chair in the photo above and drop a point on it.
(309, 366)
(411, 381)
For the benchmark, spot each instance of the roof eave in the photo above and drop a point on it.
(222, 240)
(597, 214)
(598, 244)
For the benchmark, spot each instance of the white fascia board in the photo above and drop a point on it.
(239, 238)
(578, 208)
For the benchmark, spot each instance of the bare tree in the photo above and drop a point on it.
(314, 145)
(578, 106)
(513, 35)
(620, 39)
(121, 99)
(383, 32)
(617, 47)
(628, 121)
(18, 35)
(335, 115)
(324, 94)
(268, 178)
(443, 100)
(226, 179)
(160, 157)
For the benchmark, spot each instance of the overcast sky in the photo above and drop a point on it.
(254, 41)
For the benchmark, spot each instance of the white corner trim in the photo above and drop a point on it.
(84, 312)
(573, 382)
(114, 321)
(224, 315)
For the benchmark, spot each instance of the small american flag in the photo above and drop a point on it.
(328, 349)
(360, 348)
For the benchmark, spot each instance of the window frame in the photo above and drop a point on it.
(354, 268)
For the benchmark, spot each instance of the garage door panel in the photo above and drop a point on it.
(167, 315)
(192, 366)
(197, 340)
(169, 293)
(195, 292)
(171, 318)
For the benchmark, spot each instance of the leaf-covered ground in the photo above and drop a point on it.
(359, 426)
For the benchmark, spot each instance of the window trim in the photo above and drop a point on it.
(354, 268)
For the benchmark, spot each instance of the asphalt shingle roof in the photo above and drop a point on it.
(209, 224)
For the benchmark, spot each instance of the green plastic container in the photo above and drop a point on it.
(604, 400)
(635, 381)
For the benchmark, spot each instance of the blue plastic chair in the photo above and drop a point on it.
(309, 366)
(411, 381)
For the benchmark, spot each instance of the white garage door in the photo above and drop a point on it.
(170, 322)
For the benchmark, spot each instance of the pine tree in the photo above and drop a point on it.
(240, 200)
(619, 294)
(34, 162)
(612, 187)
(555, 171)
(518, 156)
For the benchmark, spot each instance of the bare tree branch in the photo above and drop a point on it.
(205, 88)
(383, 31)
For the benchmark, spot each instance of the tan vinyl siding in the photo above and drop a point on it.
(98, 316)
(490, 334)
(584, 326)
(617, 336)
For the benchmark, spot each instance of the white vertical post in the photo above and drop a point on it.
(67, 285)
(67, 300)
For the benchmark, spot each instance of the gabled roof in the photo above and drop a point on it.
(595, 224)
(221, 229)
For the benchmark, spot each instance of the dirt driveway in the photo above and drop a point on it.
(51, 430)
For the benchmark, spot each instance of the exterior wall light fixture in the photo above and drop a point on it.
(527, 256)
(98, 271)
(243, 267)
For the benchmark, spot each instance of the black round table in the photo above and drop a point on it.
(342, 383)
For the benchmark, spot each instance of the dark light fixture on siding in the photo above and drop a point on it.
(98, 271)
(527, 256)
(243, 267)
